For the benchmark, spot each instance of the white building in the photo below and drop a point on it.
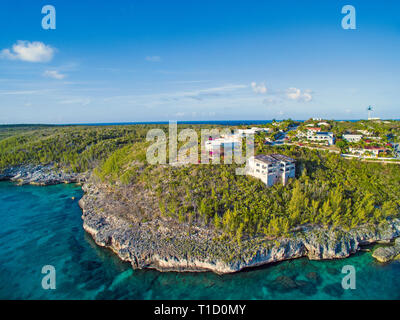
(321, 137)
(369, 150)
(271, 168)
(365, 132)
(220, 146)
(253, 130)
(352, 137)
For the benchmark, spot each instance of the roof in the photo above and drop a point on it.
(324, 133)
(374, 148)
(314, 129)
(352, 135)
(273, 158)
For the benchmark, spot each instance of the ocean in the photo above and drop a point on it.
(42, 226)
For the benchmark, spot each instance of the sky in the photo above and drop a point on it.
(197, 60)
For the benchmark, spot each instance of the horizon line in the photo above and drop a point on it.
(178, 121)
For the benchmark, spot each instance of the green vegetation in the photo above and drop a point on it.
(328, 190)
(78, 148)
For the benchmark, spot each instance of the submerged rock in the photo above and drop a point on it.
(306, 287)
(334, 290)
(314, 277)
(283, 284)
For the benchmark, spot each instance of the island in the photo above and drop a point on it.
(206, 217)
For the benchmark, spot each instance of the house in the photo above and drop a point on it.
(352, 137)
(253, 130)
(271, 168)
(313, 130)
(220, 146)
(367, 150)
(375, 138)
(324, 124)
(321, 137)
(365, 132)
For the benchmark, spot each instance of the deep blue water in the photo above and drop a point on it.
(42, 226)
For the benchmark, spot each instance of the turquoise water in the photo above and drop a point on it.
(42, 226)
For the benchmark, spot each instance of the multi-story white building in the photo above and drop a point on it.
(322, 137)
(352, 137)
(271, 168)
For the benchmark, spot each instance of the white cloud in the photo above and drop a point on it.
(153, 58)
(77, 101)
(259, 88)
(54, 74)
(298, 95)
(23, 92)
(29, 51)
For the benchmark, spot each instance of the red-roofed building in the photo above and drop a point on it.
(314, 129)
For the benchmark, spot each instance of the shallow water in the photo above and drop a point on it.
(42, 226)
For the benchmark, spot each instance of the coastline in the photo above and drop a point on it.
(163, 245)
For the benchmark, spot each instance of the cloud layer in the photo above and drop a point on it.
(29, 51)
(297, 95)
(259, 88)
(54, 74)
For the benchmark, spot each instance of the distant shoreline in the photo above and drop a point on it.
(211, 122)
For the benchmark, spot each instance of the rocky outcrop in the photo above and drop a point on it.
(164, 245)
(41, 175)
(387, 253)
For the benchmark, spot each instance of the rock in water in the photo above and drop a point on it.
(386, 254)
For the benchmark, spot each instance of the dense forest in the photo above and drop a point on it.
(78, 148)
(328, 190)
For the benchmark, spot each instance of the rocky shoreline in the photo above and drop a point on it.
(119, 222)
(163, 245)
(42, 175)
(388, 253)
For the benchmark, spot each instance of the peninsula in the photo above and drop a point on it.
(198, 217)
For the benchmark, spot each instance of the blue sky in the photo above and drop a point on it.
(123, 61)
